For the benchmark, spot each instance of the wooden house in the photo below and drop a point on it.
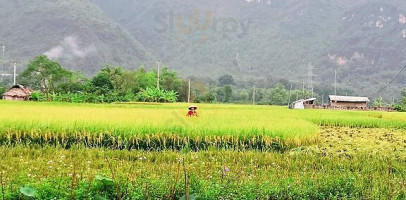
(348, 101)
(17, 93)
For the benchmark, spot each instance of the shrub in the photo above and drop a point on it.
(37, 96)
(399, 108)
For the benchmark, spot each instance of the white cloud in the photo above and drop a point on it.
(69, 48)
(55, 52)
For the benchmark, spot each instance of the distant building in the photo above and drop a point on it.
(348, 101)
(17, 93)
(303, 103)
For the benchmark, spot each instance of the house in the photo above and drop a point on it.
(348, 101)
(17, 93)
(303, 103)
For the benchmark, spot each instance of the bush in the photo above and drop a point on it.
(399, 108)
(37, 96)
(2, 90)
(157, 95)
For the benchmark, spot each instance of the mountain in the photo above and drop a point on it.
(371, 46)
(256, 41)
(253, 39)
(75, 32)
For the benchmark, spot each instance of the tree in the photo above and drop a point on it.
(129, 82)
(74, 85)
(115, 75)
(378, 102)
(244, 96)
(45, 74)
(226, 80)
(169, 80)
(220, 96)
(279, 95)
(144, 79)
(197, 93)
(2, 89)
(102, 83)
(210, 96)
(285, 82)
(228, 91)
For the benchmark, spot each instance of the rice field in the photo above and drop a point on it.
(165, 126)
(153, 151)
(144, 126)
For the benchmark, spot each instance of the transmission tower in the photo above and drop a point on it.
(310, 76)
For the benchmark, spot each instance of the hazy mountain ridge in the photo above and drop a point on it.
(283, 37)
(76, 33)
(363, 40)
(371, 48)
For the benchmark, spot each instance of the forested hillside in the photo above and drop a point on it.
(76, 33)
(273, 39)
(258, 42)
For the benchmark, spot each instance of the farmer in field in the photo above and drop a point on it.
(192, 111)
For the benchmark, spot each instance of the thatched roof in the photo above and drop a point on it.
(348, 98)
(18, 91)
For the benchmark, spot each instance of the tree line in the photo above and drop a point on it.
(111, 84)
(115, 84)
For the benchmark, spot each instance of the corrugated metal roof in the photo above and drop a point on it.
(311, 99)
(348, 98)
(305, 100)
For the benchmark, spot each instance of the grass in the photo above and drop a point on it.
(362, 119)
(156, 126)
(143, 118)
(226, 153)
(348, 164)
(165, 126)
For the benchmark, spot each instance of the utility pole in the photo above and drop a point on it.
(303, 89)
(290, 94)
(157, 82)
(297, 95)
(15, 73)
(310, 78)
(188, 96)
(2, 62)
(335, 81)
(253, 95)
(322, 99)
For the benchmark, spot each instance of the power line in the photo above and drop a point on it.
(383, 88)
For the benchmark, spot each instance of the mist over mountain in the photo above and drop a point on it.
(74, 32)
(253, 40)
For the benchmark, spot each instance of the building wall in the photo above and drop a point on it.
(348, 104)
(298, 105)
(11, 98)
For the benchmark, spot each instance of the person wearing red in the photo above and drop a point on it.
(192, 111)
